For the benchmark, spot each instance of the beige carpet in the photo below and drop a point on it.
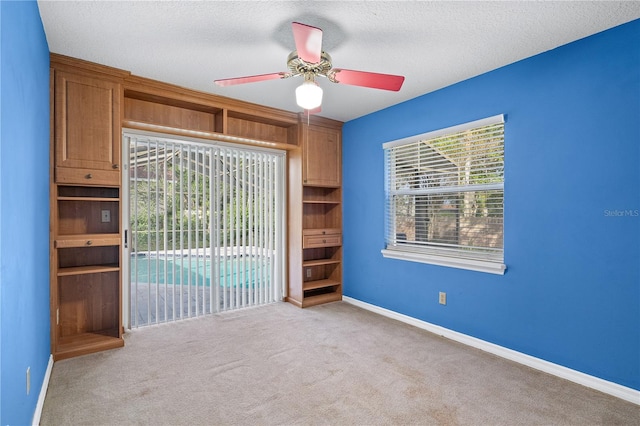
(332, 364)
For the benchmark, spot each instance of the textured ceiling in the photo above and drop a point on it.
(432, 43)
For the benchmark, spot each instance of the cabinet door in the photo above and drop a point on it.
(87, 124)
(322, 158)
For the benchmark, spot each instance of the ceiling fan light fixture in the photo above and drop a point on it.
(309, 94)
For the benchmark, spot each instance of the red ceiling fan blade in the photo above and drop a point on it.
(369, 79)
(249, 79)
(308, 42)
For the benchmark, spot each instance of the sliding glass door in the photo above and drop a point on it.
(205, 227)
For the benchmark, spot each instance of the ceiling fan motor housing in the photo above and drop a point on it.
(299, 66)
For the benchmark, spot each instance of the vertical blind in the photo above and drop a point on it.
(206, 227)
(445, 191)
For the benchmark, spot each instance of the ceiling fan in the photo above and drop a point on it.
(310, 61)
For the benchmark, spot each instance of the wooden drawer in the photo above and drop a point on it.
(88, 176)
(87, 240)
(322, 231)
(313, 238)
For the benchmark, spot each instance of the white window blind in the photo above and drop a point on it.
(445, 196)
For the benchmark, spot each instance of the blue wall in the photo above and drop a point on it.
(24, 210)
(572, 159)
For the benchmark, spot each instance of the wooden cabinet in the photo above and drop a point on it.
(315, 216)
(86, 294)
(85, 228)
(89, 105)
(87, 122)
(321, 154)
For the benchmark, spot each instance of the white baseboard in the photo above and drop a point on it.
(614, 389)
(43, 393)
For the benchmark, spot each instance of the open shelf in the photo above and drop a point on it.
(313, 285)
(86, 290)
(85, 343)
(320, 298)
(314, 194)
(320, 262)
(90, 193)
(85, 216)
(319, 216)
(99, 199)
(92, 269)
(89, 304)
(165, 111)
(320, 202)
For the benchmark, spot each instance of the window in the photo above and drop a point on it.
(445, 196)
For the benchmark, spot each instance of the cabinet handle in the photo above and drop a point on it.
(115, 166)
(89, 242)
(324, 232)
(88, 176)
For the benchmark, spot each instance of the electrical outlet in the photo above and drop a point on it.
(443, 298)
(28, 380)
(106, 216)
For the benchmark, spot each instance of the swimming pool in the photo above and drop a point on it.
(244, 271)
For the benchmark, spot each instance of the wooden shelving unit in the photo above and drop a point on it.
(90, 104)
(316, 216)
(86, 291)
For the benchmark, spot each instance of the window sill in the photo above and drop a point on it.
(469, 264)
